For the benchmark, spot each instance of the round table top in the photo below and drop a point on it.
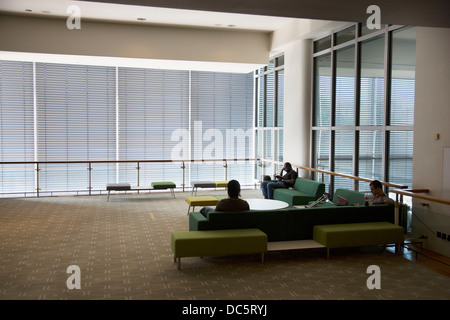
(266, 204)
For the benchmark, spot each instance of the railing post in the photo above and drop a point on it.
(37, 179)
(226, 170)
(90, 177)
(183, 172)
(138, 168)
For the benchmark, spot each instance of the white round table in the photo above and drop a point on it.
(266, 204)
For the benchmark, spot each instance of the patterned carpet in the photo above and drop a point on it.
(122, 248)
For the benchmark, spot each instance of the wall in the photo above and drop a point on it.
(432, 116)
(38, 35)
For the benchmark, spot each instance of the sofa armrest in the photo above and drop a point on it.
(196, 219)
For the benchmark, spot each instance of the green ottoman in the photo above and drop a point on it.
(164, 185)
(218, 242)
(357, 234)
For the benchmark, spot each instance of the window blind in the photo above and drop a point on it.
(16, 126)
(153, 115)
(222, 120)
(75, 121)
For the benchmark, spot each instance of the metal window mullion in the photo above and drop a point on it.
(387, 98)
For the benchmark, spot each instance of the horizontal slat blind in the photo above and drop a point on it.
(75, 121)
(153, 105)
(16, 126)
(222, 116)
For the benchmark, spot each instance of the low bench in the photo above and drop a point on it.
(208, 184)
(217, 243)
(358, 235)
(154, 186)
(201, 201)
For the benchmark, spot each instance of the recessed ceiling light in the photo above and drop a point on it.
(141, 19)
(28, 10)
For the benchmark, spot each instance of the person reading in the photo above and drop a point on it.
(284, 181)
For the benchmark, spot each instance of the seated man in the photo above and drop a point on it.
(285, 181)
(233, 203)
(378, 196)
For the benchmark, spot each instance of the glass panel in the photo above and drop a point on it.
(371, 154)
(322, 153)
(372, 82)
(403, 76)
(280, 61)
(280, 98)
(280, 146)
(345, 35)
(401, 157)
(322, 95)
(365, 30)
(270, 100)
(269, 145)
(345, 86)
(343, 155)
(260, 101)
(322, 44)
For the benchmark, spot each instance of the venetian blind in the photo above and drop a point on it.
(16, 126)
(75, 121)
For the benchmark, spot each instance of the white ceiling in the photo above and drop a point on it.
(152, 15)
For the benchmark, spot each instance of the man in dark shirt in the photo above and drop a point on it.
(284, 181)
(233, 203)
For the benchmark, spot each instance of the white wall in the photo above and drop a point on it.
(432, 116)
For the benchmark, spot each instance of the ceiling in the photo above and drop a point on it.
(259, 15)
(431, 13)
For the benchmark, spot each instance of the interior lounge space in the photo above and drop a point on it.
(252, 151)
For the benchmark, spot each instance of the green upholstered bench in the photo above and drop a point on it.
(201, 202)
(165, 185)
(357, 235)
(218, 242)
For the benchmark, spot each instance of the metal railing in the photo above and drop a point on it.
(91, 163)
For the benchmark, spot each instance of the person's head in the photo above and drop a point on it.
(287, 166)
(234, 188)
(376, 187)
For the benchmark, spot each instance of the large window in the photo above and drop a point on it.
(64, 112)
(363, 104)
(269, 120)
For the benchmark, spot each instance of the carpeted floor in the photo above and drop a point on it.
(122, 248)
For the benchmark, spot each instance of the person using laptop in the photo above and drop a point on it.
(284, 181)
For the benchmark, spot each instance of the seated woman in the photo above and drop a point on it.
(233, 203)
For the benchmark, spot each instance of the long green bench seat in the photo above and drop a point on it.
(357, 235)
(218, 242)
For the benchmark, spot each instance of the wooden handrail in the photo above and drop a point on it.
(419, 195)
(123, 161)
(348, 176)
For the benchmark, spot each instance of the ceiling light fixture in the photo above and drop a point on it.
(28, 10)
(231, 26)
(141, 19)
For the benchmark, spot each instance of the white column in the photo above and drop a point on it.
(298, 95)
